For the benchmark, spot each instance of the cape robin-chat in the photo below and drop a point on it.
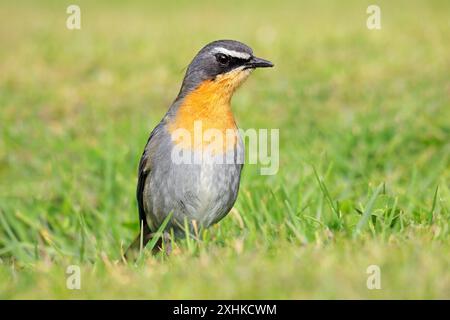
(191, 165)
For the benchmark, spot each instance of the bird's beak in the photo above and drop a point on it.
(256, 62)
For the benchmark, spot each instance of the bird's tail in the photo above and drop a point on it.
(139, 243)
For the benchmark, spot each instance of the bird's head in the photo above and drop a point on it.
(225, 63)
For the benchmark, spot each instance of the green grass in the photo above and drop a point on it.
(364, 149)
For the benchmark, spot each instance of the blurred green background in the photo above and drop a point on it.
(368, 110)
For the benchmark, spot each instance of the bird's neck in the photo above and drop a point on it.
(209, 104)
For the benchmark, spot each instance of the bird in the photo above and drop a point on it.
(185, 181)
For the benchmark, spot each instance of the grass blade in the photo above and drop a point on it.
(367, 211)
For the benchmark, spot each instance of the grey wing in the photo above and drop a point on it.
(143, 172)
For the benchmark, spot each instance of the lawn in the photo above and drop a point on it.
(364, 175)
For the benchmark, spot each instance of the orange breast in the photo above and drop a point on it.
(209, 104)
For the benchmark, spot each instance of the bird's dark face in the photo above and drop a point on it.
(221, 59)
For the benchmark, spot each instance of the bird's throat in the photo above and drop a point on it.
(209, 105)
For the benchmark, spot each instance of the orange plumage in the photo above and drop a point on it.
(210, 104)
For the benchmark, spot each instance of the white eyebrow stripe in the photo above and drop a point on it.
(232, 53)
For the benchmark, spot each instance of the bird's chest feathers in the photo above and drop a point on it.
(206, 111)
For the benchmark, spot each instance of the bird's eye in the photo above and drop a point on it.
(222, 58)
